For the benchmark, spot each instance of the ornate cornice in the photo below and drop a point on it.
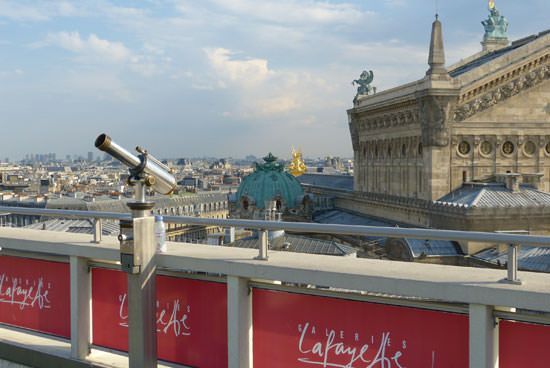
(395, 118)
(502, 88)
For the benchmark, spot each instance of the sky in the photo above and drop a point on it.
(224, 78)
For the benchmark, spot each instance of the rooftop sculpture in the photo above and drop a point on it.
(364, 83)
(496, 25)
(270, 164)
(297, 167)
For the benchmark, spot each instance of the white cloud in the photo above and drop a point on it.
(276, 105)
(93, 46)
(395, 3)
(95, 50)
(265, 93)
(293, 11)
(11, 73)
(67, 40)
(112, 50)
(457, 52)
(98, 85)
(21, 12)
(35, 11)
(247, 72)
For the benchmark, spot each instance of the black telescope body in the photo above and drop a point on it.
(163, 183)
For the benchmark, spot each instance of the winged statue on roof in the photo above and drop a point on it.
(364, 84)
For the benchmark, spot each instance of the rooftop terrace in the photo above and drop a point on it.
(249, 305)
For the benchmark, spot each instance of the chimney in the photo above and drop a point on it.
(533, 180)
(512, 181)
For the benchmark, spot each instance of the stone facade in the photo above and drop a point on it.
(474, 121)
(424, 139)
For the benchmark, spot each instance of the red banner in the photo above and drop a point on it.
(35, 294)
(191, 317)
(294, 330)
(523, 345)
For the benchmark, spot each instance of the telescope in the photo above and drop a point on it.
(145, 167)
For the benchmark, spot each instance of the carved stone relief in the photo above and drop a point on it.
(434, 116)
(501, 93)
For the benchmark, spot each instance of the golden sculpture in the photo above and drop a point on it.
(491, 4)
(297, 166)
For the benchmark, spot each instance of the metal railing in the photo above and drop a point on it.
(512, 240)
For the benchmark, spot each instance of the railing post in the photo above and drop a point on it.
(81, 312)
(239, 323)
(512, 265)
(263, 246)
(483, 339)
(98, 230)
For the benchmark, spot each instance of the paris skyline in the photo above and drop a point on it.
(219, 78)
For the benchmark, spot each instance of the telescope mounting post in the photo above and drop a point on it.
(137, 248)
(142, 326)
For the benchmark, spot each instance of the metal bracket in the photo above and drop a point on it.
(136, 173)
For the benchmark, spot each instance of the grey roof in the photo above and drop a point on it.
(75, 226)
(494, 54)
(496, 195)
(343, 182)
(420, 247)
(67, 203)
(529, 258)
(298, 244)
(347, 218)
(417, 247)
(120, 205)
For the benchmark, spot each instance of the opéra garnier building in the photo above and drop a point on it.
(467, 146)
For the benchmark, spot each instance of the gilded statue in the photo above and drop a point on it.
(297, 166)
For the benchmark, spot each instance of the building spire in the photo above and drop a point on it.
(436, 60)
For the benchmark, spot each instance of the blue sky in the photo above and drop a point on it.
(187, 78)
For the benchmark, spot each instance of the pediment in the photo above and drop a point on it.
(529, 105)
(508, 98)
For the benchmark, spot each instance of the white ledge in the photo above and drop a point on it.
(438, 282)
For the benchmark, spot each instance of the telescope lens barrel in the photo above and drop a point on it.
(164, 182)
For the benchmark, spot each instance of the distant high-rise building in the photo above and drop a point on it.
(90, 156)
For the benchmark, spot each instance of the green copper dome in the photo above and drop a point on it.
(270, 182)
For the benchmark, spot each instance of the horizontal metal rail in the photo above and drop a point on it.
(391, 232)
(65, 213)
